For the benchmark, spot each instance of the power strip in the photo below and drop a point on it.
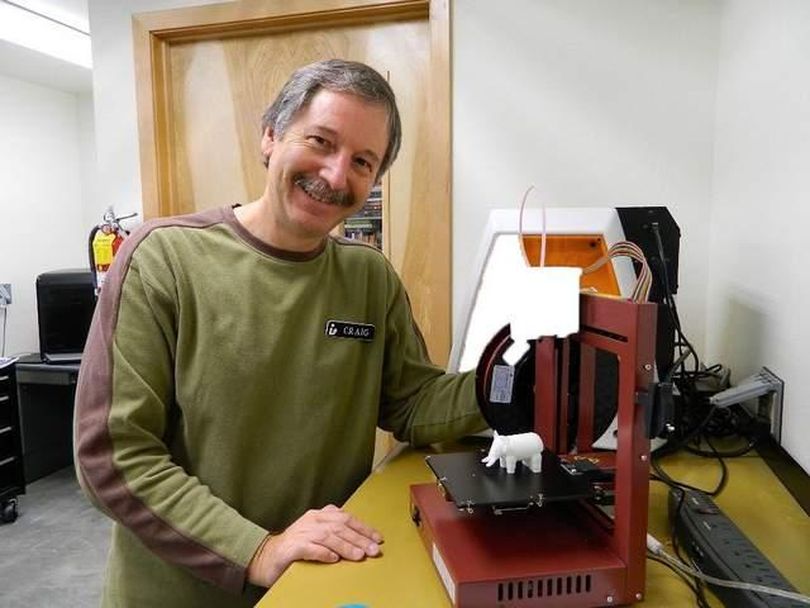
(719, 548)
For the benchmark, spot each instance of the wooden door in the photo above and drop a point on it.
(220, 89)
(206, 74)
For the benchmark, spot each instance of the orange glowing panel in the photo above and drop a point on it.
(575, 250)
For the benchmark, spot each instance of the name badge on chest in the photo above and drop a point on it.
(354, 331)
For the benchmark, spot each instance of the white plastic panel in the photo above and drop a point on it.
(493, 284)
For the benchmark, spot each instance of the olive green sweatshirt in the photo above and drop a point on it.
(227, 387)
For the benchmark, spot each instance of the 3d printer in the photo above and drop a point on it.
(573, 535)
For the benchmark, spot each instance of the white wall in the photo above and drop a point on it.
(758, 288)
(603, 103)
(88, 162)
(69, 12)
(116, 117)
(593, 102)
(41, 199)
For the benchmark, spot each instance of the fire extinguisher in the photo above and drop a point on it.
(105, 239)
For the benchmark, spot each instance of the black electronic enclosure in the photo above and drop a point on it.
(654, 230)
(65, 304)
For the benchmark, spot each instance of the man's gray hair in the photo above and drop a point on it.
(339, 76)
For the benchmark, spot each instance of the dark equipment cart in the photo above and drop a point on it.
(12, 480)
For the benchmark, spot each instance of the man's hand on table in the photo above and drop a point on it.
(320, 535)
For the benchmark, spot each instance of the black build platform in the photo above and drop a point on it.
(470, 483)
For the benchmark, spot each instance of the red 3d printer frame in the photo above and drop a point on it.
(571, 554)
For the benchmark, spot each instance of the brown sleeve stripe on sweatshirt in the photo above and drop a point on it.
(94, 448)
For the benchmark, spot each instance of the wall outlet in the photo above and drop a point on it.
(767, 409)
(5, 294)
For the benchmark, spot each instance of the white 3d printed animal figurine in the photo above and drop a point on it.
(508, 449)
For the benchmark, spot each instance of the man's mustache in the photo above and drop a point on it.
(319, 189)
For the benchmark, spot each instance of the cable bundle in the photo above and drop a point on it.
(641, 291)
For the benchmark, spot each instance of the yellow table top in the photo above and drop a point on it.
(404, 575)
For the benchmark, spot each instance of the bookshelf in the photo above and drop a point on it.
(367, 224)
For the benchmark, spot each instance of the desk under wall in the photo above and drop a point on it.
(404, 577)
(46, 394)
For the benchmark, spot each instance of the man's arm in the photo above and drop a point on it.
(422, 404)
(123, 398)
(321, 535)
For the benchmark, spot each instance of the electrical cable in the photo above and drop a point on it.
(699, 597)
(680, 488)
(664, 477)
(687, 386)
(674, 446)
(686, 380)
(715, 423)
(728, 454)
(673, 310)
(641, 290)
(698, 432)
(674, 523)
(701, 587)
(724, 469)
(728, 422)
(676, 364)
(657, 548)
(5, 318)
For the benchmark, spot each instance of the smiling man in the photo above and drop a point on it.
(241, 358)
(319, 172)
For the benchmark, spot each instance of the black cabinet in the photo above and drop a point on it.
(46, 393)
(12, 481)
